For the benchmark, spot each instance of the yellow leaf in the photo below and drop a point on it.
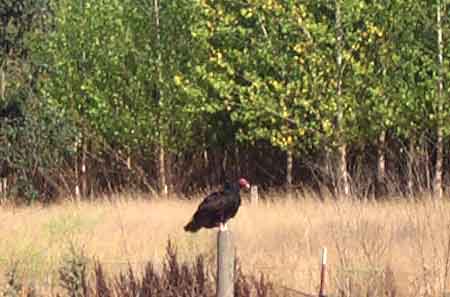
(298, 48)
(177, 79)
(289, 140)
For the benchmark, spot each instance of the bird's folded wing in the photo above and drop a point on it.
(215, 200)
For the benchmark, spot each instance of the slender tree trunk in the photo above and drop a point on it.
(3, 180)
(129, 162)
(77, 175)
(437, 187)
(381, 168)
(410, 166)
(161, 147)
(206, 167)
(343, 173)
(81, 169)
(128, 178)
(343, 178)
(225, 164)
(289, 167)
(2, 81)
(237, 160)
(438, 190)
(426, 164)
(84, 183)
(162, 170)
(329, 163)
(205, 159)
(80, 162)
(382, 157)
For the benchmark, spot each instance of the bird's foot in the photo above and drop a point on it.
(223, 227)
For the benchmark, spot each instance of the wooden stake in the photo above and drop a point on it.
(254, 197)
(323, 265)
(225, 264)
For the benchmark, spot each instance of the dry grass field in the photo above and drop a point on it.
(396, 248)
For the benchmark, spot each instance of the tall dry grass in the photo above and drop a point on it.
(395, 248)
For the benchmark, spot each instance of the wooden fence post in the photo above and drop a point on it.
(225, 264)
(323, 266)
(254, 197)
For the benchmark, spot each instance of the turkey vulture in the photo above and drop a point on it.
(217, 208)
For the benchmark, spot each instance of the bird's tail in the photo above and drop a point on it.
(192, 227)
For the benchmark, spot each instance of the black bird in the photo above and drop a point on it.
(217, 208)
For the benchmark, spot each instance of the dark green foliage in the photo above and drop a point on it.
(20, 22)
(34, 148)
(16, 19)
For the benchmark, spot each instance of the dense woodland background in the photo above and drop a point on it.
(348, 97)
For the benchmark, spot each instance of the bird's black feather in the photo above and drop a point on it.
(216, 208)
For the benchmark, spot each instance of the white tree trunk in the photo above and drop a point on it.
(77, 176)
(162, 171)
(2, 81)
(161, 147)
(289, 168)
(3, 180)
(205, 159)
(382, 157)
(289, 165)
(438, 190)
(437, 185)
(128, 178)
(410, 166)
(381, 186)
(343, 177)
(84, 183)
(426, 165)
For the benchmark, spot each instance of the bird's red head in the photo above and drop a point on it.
(243, 183)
